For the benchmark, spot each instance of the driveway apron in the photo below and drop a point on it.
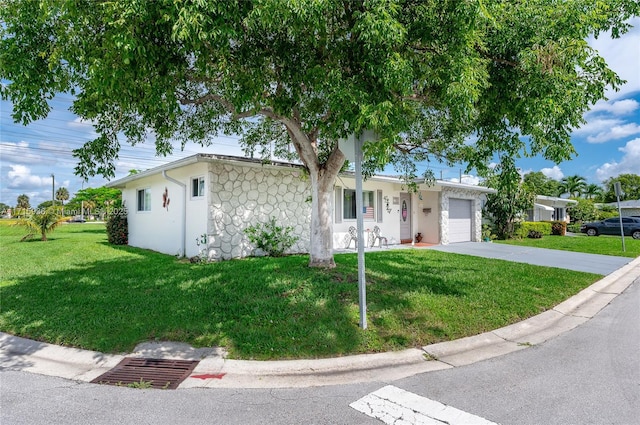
(582, 262)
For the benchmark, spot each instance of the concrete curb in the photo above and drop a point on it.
(214, 371)
(542, 327)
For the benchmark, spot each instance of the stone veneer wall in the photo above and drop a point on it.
(628, 212)
(476, 209)
(240, 196)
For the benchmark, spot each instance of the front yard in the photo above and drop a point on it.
(605, 245)
(77, 290)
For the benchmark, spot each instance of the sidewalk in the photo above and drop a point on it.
(215, 371)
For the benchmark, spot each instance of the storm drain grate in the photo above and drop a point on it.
(148, 373)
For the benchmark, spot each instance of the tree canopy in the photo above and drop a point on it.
(539, 184)
(23, 202)
(629, 183)
(100, 197)
(292, 77)
(572, 185)
(62, 194)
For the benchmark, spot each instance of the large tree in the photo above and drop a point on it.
(105, 199)
(629, 183)
(539, 184)
(298, 75)
(23, 202)
(510, 202)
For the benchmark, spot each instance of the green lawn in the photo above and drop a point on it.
(606, 245)
(77, 290)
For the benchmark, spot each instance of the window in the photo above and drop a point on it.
(197, 187)
(559, 214)
(349, 204)
(144, 199)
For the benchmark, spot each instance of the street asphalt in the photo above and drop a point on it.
(215, 371)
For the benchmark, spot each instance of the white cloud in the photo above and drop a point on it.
(597, 125)
(619, 55)
(20, 152)
(553, 173)
(20, 177)
(620, 107)
(467, 179)
(81, 123)
(629, 164)
(615, 132)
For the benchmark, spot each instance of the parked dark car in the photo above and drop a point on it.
(611, 226)
(77, 219)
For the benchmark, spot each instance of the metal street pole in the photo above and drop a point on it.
(53, 190)
(362, 284)
(617, 187)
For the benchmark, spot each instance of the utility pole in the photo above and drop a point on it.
(53, 190)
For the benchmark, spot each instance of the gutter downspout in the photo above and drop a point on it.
(184, 210)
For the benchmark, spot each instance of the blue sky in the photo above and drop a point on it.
(607, 145)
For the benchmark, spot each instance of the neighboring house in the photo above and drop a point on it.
(549, 208)
(207, 201)
(627, 208)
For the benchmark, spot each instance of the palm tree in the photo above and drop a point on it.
(62, 194)
(88, 205)
(22, 205)
(592, 191)
(573, 185)
(41, 222)
(23, 202)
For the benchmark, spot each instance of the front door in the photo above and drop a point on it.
(405, 218)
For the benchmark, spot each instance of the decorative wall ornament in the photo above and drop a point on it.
(165, 198)
(386, 204)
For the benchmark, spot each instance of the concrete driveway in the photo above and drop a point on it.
(591, 263)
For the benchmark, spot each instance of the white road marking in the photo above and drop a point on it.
(396, 406)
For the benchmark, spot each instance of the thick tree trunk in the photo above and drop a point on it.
(323, 176)
(321, 247)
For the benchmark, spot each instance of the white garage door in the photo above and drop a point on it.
(459, 220)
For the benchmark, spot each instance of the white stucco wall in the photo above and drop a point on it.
(161, 228)
(388, 222)
(428, 221)
(628, 212)
(241, 196)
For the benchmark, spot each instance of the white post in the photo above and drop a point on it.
(362, 285)
(617, 187)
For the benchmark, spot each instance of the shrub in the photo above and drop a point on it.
(584, 210)
(575, 228)
(487, 233)
(117, 229)
(271, 238)
(558, 228)
(525, 227)
(605, 214)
